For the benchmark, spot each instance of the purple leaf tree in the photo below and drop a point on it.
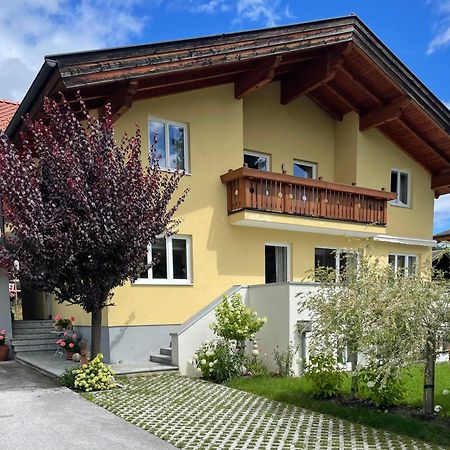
(81, 207)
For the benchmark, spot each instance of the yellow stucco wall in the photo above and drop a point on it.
(220, 127)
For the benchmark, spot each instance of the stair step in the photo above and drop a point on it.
(35, 336)
(32, 324)
(35, 347)
(161, 359)
(19, 342)
(166, 351)
(39, 330)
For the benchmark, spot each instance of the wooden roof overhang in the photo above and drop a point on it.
(339, 63)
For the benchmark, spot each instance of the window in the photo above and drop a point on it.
(403, 264)
(400, 184)
(337, 260)
(257, 161)
(277, 263)
(305, 169)
(170, 142)
(172, 261)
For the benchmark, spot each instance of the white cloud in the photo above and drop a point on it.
(268, 11)
(442, 25)
(442, 213)
(31, 29)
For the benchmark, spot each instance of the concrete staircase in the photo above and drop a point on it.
(33, 336)
(164, 357)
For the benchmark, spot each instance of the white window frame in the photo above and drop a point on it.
(259, 155)
(337, 258)
(288, 256)
(170, 280)
(307, 164)
(397, 201)
(167, 141)
(406, 256)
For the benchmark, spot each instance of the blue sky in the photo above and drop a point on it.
(418, 31)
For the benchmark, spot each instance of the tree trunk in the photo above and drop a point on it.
(428, 387)
(96, 332)
(354, 362)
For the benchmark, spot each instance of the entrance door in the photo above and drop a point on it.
(277, 263)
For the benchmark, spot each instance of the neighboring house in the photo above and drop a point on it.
(296, 141)
(7, 110)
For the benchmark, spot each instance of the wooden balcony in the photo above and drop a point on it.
(251, 189)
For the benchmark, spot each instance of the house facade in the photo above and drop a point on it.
(300, 144)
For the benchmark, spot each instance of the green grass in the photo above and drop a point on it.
(296, 391)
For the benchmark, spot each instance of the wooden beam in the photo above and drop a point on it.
(309, 78)
(256, 78)
(346, 99)
(441, 179)
(122, 100)
(383, 114)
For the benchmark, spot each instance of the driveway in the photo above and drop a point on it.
(35, 412)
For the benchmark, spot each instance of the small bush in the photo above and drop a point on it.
(94, 376)
(67, 379)
(383, 386)
(235, 321)
(324, 375)
(284, 359)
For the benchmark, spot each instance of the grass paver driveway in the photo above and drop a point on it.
(193, 414)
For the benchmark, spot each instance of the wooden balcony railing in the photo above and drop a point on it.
(285, 194)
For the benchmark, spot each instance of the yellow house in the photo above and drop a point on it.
(297, 142)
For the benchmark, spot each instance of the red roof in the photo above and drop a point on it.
(7, 110)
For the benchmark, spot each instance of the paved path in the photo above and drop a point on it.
(196, 415)
(35, 412)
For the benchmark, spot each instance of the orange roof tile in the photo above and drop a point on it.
(7, 110)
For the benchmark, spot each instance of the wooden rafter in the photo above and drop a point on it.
(256, 78)
(383, 114)
(122, 100)
(309, 78)
(441, 179)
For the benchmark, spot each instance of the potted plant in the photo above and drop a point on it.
(4, 349)
(70, 343)
(63, 324)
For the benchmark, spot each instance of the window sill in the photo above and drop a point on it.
(163, 169)
(399, 205)
(144, 282)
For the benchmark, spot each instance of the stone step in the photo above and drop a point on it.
(32, 323)
(42, 341)
(34, 336)
(35, 347)
(161, 359)
(166, 351)
(39, 330)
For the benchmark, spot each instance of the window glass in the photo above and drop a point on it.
(304, 170)
(255, 161)
(412, 265)
(176, 146)
(403, 264)
(400, 185)
(325, 257)
(179, 259)
(403, 191)
(394, 177)
(158, 140)
(392, 261)
(159, 258)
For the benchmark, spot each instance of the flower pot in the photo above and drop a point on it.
(4, 352)
(69, 355)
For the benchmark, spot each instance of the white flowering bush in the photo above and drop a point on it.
(235, 321)
(94, 376)
(324, 375)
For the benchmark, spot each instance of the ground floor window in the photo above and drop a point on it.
(171, 259)
(403, 264)
(277, 263)
(336, 260)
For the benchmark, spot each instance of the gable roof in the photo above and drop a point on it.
(7, 110)
(339, 63)
(442, 236)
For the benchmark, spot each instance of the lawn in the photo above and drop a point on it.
(296, 391)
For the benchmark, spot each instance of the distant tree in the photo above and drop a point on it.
(81, 207)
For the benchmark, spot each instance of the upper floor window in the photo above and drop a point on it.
(401, 185)
(403, 264)
(255, 160)
(338, 260)
(171, 258)
(170, 142)
(305, 169)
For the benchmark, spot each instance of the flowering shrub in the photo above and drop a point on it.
(382, 385)
(324, 375)
(94, 376)
(235, 321)
(218, 361)
(2, 337)
(284, 360)
(69, 342)
(64, 324)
